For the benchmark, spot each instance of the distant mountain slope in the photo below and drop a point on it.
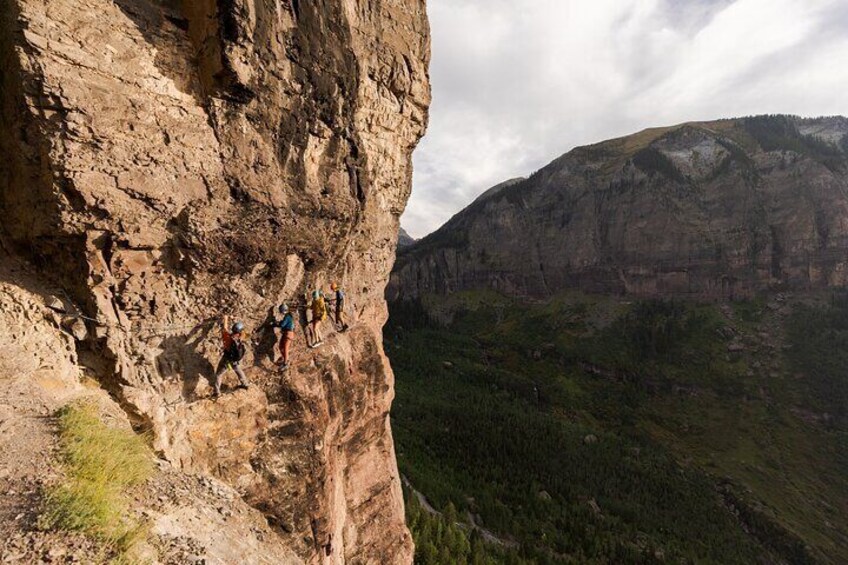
(497, 188)
(404, 239)
(712, 209)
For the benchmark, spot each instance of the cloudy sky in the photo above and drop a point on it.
(517, 83)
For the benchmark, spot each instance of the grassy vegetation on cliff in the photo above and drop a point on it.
(100, 464)
(595, 431)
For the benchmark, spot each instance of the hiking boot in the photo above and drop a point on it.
(243, 386)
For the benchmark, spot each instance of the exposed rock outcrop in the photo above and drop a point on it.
(165, 161)
(39, 374)
(710, 210)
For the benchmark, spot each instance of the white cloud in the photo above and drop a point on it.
(518, 82)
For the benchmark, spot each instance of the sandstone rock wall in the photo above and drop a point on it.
(166, 161)
(708, 210)
(40, 374)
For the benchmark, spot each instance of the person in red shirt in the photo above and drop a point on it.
(234, 350)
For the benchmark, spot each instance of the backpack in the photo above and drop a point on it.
(319, 309)
(236, 351)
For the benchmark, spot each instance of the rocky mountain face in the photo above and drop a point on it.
(709, 210)
(191, 518)
(165, 161)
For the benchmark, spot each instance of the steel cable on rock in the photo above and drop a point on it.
(154, 331)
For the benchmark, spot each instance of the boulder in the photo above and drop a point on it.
(76, 327)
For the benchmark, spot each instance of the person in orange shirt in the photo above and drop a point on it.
(234, 350)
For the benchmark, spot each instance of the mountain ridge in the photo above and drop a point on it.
(625, 215)
(404, 239)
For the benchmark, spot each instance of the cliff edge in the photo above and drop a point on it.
(166, 161)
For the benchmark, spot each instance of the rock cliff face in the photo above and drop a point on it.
(711, 210)
(40, 374)
(166, 161)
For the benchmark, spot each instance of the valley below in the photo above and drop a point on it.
(637, 354)
(598, 429)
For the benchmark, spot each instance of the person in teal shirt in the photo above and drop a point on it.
(286, 327)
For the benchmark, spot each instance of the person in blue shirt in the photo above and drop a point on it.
(339, 302)
(286, 327)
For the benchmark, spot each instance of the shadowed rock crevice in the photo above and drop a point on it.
(163, 26)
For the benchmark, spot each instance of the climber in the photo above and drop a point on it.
(286, 327)
(319, 314)
(339, 303)
(234, 350)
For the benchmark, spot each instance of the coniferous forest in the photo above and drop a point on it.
(593, 430)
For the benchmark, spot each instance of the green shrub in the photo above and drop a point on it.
(101, 463)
